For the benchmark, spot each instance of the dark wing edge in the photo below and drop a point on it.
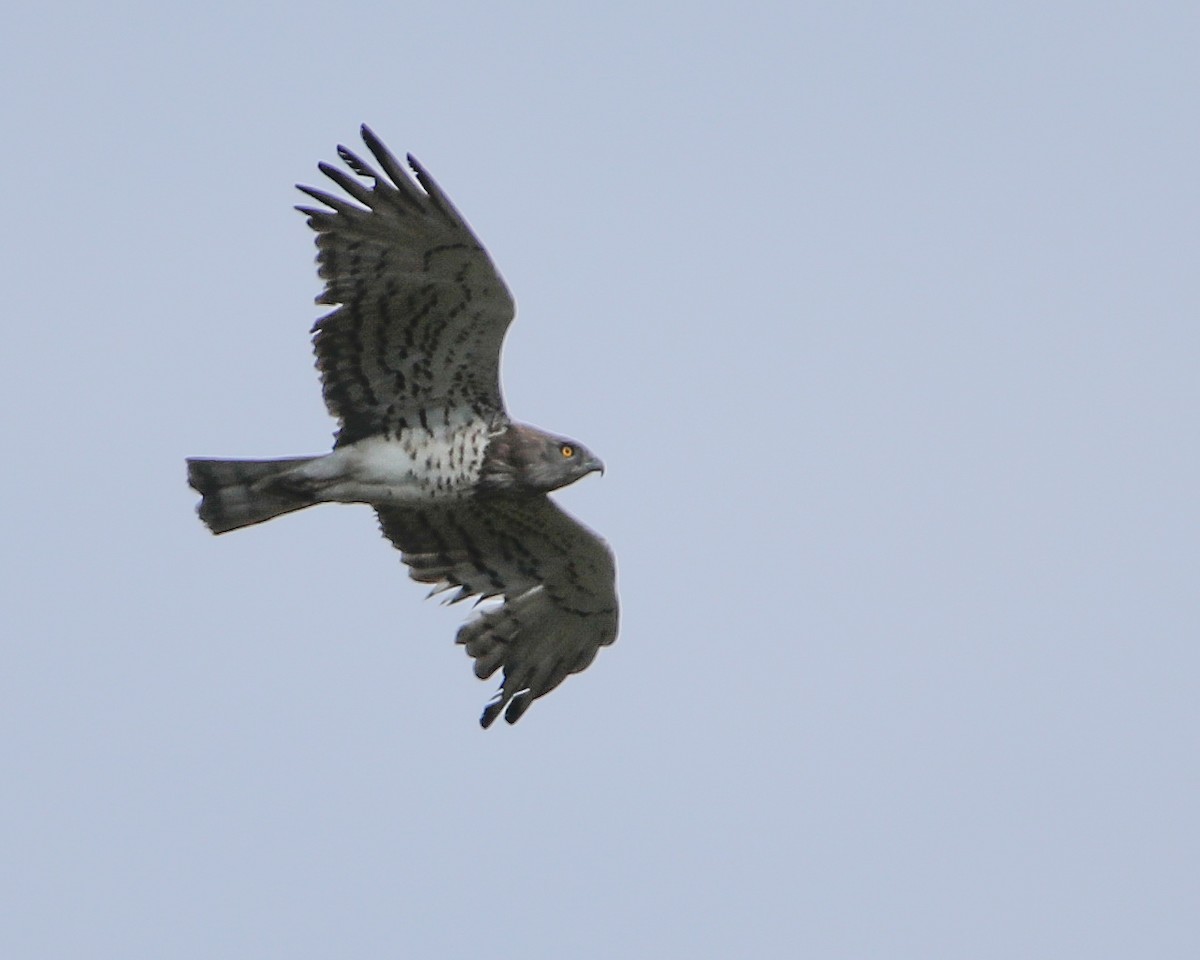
(557, 578)
(420, 310)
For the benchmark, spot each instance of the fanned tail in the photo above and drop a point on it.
(238, 493)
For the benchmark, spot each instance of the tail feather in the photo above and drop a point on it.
(238, 493)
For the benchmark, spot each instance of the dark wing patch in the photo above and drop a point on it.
(557, 578)
(420, 309)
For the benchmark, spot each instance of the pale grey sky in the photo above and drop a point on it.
(884, 319)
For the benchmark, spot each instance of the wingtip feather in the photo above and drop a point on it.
(517, 706)
(492, 710)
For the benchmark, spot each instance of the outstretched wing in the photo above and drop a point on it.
(557, 578)
(420, 309)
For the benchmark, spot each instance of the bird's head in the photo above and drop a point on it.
(529, 459)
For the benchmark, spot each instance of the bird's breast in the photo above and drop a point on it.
(418, 466)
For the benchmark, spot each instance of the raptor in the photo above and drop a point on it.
(409, 364)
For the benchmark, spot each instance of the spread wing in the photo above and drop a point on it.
(420, 309)
(557, 578)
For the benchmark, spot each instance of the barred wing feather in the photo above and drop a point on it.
(557, 579)
(420, 311)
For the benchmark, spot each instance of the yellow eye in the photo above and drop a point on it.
(567, 450)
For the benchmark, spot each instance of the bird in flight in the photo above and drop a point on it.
(409, 363)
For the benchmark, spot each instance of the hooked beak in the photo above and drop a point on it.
(595, 465)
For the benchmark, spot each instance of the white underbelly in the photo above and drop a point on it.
(436, 464)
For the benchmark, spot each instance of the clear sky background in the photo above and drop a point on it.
(884, 318)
